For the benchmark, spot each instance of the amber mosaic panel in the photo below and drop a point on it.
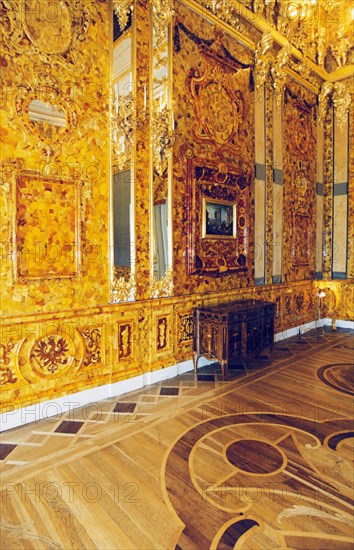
(59, 354)
(212, 76)
(69, 70)
(299, 165)
(351, 195)
(46, 227)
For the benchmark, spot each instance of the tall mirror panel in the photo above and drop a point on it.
(162, 131)
(122, 139)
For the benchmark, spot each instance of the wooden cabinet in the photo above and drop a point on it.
(234, 330)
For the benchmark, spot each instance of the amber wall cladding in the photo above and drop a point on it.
(55, 181)
(299, 165)
(214, 106)
(59, 333)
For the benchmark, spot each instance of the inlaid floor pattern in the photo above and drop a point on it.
(262, 460)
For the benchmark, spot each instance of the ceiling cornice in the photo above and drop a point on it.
(263, 26)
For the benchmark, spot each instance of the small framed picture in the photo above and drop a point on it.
(219, 219)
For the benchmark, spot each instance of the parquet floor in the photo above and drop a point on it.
(260, 461)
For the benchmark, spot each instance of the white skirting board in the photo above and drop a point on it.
(89, 398)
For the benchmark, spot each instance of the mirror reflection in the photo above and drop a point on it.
(122, 139)
(162, 129)
(38, 111)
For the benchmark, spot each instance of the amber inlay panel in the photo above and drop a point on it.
(46, 227)
(125, 341)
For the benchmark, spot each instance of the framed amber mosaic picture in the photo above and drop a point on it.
(46, 227)
(219, 219)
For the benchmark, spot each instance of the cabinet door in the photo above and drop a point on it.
(210, 339)
(254, 336)
(235, 341)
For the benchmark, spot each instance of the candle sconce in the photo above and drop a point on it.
(163, 136)
(122, 128)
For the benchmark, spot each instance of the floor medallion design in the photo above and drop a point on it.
(339, 376)
(231, 478)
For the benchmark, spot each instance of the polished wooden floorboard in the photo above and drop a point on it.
(260, 461)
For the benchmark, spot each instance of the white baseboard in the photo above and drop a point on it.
(62, 405)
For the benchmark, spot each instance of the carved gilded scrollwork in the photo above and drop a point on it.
(262, 61)
(341, 101)
(278, 72)
(163, 286)
(340, 97)
(53, 30)
(123, 287)
(162, 11)
(47, 88)
(122, 9)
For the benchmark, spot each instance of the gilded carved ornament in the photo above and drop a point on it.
(340, 47)
(122, 128)
(162, 136)
(122, 8)
(341, 101)
(341, 98)
(43, 94)
(226, 11)
(279, 75)
(262, 61)
(123, 287)
(162, 13)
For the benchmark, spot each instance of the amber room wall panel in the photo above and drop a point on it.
(260, 189)
(351, 193)
(213, 156)
(340, 200)
(278, 180)
(319, 201)
(238, 201)
(299, 161)
(55, 157)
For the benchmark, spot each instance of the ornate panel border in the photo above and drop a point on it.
(209, 181)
